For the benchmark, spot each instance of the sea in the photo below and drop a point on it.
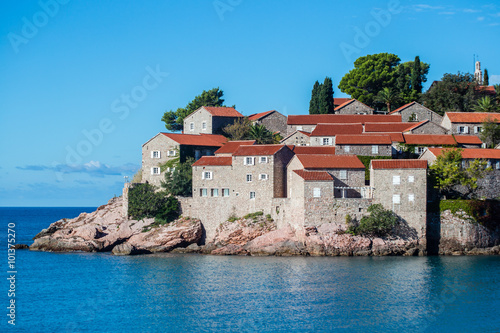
(99, 292)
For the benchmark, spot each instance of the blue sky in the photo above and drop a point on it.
(84, 84)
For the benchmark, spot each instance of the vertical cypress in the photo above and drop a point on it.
(486, 79)
(416, 76)
(313, 104)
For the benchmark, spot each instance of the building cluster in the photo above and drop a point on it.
(315, 175)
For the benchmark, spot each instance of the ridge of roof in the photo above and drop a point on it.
(260, 115)
(313, 175)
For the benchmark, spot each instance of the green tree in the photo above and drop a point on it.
(174, 120)
(388, 97)
(476, 170)
(409, 80)
(371, 74)
(490, 133)
(179, 178)
(486, 78)
(325, 97)
(416, 76)
(145, 202)
(313, 103)
(238, 130)
(497, 93)
(260, 134)
(379, 223)
(484, 104)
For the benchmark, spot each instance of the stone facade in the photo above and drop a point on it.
(273, 121)
(428, 128)
(353, 107)
(364, 150)
(298, 138)
(202, 121)
(305, 127)
(417, 112)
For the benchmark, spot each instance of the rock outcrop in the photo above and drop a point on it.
(107, 229)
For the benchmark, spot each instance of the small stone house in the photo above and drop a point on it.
(166, 146)
(426, 127)
(297, 138)
(272, 120)
(324, 134)
(365, 145)
(417, 112)
(353, 106)
(210, 120)
(467, 123)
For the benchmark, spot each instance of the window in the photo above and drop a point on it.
(488, 164)
(206, 175)
(249, 160)
(343, 174)
(396, 199)
(411, 197)
(225, 192)
(249, 178)
(203, 192)
(204, 126)
(419, 150)
(396, 180)
(263, 176)
(171, 153)
(477, 129)
(411, 179)
(464, 165)
(463, 129)
(497, 165)
(326, 142)
(191, 126)
(263, 159)
(347, 149)
(317, 192)
(252, 195)
(374, 149)
(155, 171)
(155, 154)
(214, 192)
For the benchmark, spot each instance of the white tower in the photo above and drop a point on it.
(478, 75)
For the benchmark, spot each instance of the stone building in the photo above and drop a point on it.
(166, 146)
(297, 138)
(210, 120)
(420, 142)
(232, 146)
(468, 141)
(467, 123)
(401, 186)
(272, 120)
(364, 145)
(417, 112)
(316, 150)
(324, 134)
(353, 106)
(426, 127)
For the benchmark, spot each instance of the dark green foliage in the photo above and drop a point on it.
(253, 215)
(378, 223)
(416, 76)
(179, 181)
(145, 202)
(490, 133)
(485, 104)
(313, 103)
(174, 120)
(260, 134)
(485, 212)
(322, 98)
(366, 162)
(238, 130)
(486, 78)
(245, 130)
(387, 96)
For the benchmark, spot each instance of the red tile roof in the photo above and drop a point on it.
(429, 139)
(340, 100)
(334, 129)
(313, 175)
(490, 90)
(395, 137)
(233, 146)
(399, 164)
(214, 160)
(257, 116)
(329, 150)
(208, 140)
(222, 111)
(349, 102)
(415, 125)
(387, 127)
(257, 150)
(402, 107)
(468, 139)
(472, 117)
(330, 161)
(314, 119)
(383, 139)
(472, 153)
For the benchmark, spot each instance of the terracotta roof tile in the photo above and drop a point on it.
(416, 125)
(402, 107)
(387, 127)
(395, 137)
(314, 119)
(257, 150)
(222, 111)
(340, 100)
(472, 117)
(330, 161)
(214, 160)
(207, 140)
(313, 175)
(257, 116)
(349, 102)
(399, 164)
(468, 139)
(472, 153)
(334, 129)
(430, 139)
(383, 139)
(233, 146)
(329, 150)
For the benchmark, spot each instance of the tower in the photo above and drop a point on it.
(478, 75)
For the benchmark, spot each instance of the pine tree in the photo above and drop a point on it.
(416, 76)
(486, 78)
(326, 100)
(313, 104)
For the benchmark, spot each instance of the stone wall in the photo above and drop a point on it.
(162, 144)
(305, 128)
(355, 107)
(198, 118)
(422, 113)
(429, 128)
(297, 139)
(274, 122)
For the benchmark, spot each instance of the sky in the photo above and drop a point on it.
(84, 83)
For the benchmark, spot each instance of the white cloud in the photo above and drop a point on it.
(447, 13)
(468, 10)
(480, 18)
(92, 168)
(421, 7)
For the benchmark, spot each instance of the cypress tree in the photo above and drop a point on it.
(486, 79)
(326, 97)
(416, 76)
(313, 104)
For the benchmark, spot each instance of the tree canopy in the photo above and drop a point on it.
(490, 133)
(244, 130)
(178, 180)
(322, 98)
(484, 104)
(174, 120)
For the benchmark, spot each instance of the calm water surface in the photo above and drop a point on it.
(88, 292)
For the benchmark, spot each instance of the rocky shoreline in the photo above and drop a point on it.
(107, 230)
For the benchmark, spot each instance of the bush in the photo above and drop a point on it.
(366, 162)
(145, 202)
(378, 223)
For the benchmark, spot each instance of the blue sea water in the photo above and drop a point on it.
(98, 292)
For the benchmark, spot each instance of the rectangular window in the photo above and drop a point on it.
(249, 160)
(206, 175)
(263, 176)
(411, 179)
(263, 159)
(249, 178)
(317, 192)
(343, 174)
(225, 192)
(396, 180)
(498, 165)
(347, 149)
(191, 126)
(463, 129)
(203, 192)
(155, 171)
(464, 164)
(155, 154)
(477, 129)
(411, 197)
(374, 150)
(252, 195)
(204, 125)
(488, 164)
(396, 199)
(215, 192)
(171, 153)
(326, 141)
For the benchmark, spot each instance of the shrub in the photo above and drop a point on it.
(378, 223)
(145, 202)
